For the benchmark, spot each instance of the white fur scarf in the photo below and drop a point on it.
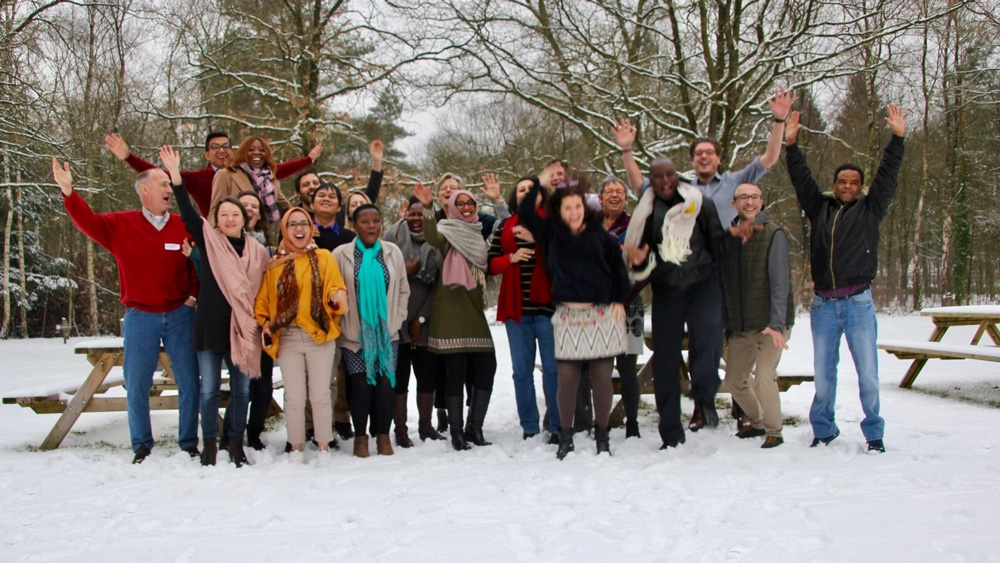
(677, 228)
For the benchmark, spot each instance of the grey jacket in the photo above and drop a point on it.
(397, 294)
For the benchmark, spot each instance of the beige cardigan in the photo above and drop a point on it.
(230, 183)
(397, 294)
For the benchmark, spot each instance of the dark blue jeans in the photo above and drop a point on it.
(143, 332)
(210, 366)
(522, 337)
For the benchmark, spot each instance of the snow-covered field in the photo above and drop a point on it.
(935, 496)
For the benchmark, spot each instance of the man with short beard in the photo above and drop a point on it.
(673, 239)
(842, 268)
(760, 311)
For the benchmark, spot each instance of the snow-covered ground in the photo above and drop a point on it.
(935, 496)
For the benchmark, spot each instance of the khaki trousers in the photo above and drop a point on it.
(298, 355)
(758, 396)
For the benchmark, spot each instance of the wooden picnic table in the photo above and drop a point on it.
(104, 355)
(985, 317)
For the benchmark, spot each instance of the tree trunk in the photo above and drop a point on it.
(6, 249)
(914, 266)
(21, 268)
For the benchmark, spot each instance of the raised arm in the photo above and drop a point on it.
(293, 167)
(625, 136)
(431, 234)
(806, 189)
(883, 187)
(376, 150)
(97, 227)
(189, 214)
(528, 216)
(781, 105)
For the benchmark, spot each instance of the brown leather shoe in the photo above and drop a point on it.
(696, 422)
(361, 445)
(383, 445)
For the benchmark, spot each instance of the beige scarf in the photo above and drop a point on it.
(677, 228)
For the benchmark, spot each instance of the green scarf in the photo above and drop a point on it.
(376, 342)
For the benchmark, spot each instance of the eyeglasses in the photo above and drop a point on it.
(217, 147)
(465, 203)
(299, 225)
(705, 152)
(742, 198)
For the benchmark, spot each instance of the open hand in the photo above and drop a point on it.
(776, 337)
(624, 133)
(171, 160)
(118, 147)
(62, 176)
(491, 187)
(316, 151)
(781, 103)
(744, 230)
(896, 120)
(424, 194)
(636, 256)
(792, 128)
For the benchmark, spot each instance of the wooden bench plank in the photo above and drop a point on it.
(939, 350)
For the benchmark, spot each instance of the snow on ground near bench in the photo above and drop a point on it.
(935, 496)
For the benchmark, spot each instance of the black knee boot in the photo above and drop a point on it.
(565, 443)
(603, 440)
(455, 408)
(477, 414)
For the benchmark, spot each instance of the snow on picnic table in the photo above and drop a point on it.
(935, 496)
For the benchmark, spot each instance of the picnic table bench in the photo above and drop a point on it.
(985, 317)
(785, 380)
(104, 355)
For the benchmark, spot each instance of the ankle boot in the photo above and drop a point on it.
(442, 420)
(399, 421)
(565, 443)
(480, 403)
(425, 407)
(383, 445)
(632, 429)
(455, 408)
(236, 453)
(253, 437)
(208, 451)
(361, 445)
(603, 440)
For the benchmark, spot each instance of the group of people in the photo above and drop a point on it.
(348, 305)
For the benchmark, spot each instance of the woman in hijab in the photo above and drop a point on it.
(298, 306)
(458, 328)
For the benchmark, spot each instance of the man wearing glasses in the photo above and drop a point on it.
(218, 152)
(760, 310)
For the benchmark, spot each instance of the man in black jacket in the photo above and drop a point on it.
(843, 245)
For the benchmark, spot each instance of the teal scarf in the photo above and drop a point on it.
(376, 342)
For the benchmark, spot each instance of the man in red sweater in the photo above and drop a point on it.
(218, 153)
(158, 287)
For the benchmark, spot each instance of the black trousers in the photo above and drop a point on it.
(424, 367)
(699, 309)
(630, 384)
(473, 368)
(371, 401)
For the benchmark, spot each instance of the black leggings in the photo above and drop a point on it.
(569, 381)
(475, 368)
(368, 400)
(630, 384)
(423, 363)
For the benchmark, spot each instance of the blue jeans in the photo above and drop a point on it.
(522, 337)
(143, 332)
(855, 317)
(210, 366)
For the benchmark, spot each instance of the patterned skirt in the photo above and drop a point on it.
(587, 334)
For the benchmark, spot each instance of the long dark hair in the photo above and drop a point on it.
(262, 225)
(512, 195)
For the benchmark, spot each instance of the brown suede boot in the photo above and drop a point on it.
(383, 445)
(425, 408)
(361, 445)
(399, 420)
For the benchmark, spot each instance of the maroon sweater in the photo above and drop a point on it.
(199, 182)
(153, 273)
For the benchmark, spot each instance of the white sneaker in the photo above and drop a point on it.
(323, 458)
(295, 457)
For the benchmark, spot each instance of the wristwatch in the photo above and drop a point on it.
(421, 320)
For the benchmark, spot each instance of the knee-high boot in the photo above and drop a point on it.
(425, 407)
(455, 408)
(399, 420)
(480, 403)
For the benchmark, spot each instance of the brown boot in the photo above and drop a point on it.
(361, 445)
(399, 420)
(383, 445)
(425, 408)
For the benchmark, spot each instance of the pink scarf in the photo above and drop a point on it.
(239, 278)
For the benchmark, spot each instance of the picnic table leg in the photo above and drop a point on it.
(979, 332)
(918, 364)
(80, 400)
(994, 333)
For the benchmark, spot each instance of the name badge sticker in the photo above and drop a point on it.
(171, 246)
